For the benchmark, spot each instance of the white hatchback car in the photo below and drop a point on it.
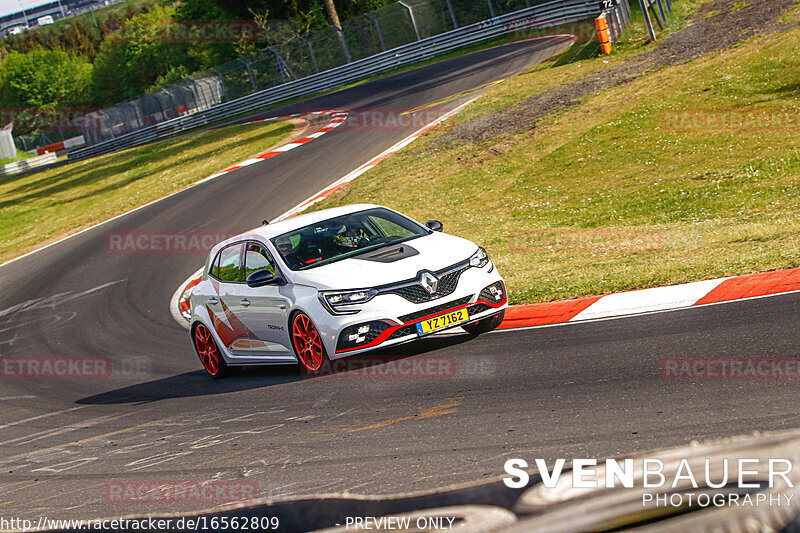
(338, 282)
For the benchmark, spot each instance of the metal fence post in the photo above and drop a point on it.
(669, 5)
(453, 13)
(615, 25)
(286, 72)
(221, 83)
(651, 32)
(310, 51)
(343, 41)
(413, 19)
(250, 73)
(623, 14)
(374, 19)
(661, 11)
(655, 14)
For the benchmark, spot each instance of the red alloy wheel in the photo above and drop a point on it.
(307, 343)
(206, 349)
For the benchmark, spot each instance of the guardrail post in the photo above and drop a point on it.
(651, 32)
(669, 5)
(453, 13)
(492, 12)
(413, 19)
(374, 19)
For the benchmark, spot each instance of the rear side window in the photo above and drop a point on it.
(228, 266)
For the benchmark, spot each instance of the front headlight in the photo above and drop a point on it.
(479, 259)
(338, 302)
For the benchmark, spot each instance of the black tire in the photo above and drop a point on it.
(485, 325)
(208, 352)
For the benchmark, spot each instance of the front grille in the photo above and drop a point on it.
(416, 294)
(477, 308)
(433, 310)
(411, 329)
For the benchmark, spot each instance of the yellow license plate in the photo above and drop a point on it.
(442, 321)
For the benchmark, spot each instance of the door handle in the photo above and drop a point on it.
(245, 302)
(213, 301)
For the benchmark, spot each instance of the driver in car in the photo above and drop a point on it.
(286, 249)
(353, 237)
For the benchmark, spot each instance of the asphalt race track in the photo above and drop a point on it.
(581, 390)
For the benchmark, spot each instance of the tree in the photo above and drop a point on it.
(45, 79)
(135, 56)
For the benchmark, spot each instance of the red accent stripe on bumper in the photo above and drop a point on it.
(388, 331)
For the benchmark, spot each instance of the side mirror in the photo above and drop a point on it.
(260, 278)
(434, 225)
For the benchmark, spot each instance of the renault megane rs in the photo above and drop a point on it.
(338, 282)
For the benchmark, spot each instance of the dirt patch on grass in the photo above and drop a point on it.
(726, 26)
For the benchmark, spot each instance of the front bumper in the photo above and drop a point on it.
(400, 323)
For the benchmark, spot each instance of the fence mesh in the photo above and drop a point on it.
(384, 29)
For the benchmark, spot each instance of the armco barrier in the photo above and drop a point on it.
(537, 17)
(25, 164)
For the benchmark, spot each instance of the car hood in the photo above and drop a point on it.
(436, 251)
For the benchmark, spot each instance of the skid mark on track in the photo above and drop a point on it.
(437, 410)
(20, 488)
(83, 424)
(227, 456)
(82, 441)
(39, 417)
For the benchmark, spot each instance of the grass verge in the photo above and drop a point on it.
(44, 206)
(639, 185)
(21, 155)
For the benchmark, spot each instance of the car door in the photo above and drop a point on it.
(225, 308)
(265, 309)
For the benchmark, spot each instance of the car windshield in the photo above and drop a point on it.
(344, 236)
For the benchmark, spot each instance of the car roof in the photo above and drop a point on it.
(269, 231)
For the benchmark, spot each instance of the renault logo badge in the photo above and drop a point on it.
(429, 282)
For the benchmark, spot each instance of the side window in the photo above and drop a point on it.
(230, 265)
(256, 258)
(214, 270)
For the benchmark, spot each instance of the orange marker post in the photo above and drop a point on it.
(602, 34)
